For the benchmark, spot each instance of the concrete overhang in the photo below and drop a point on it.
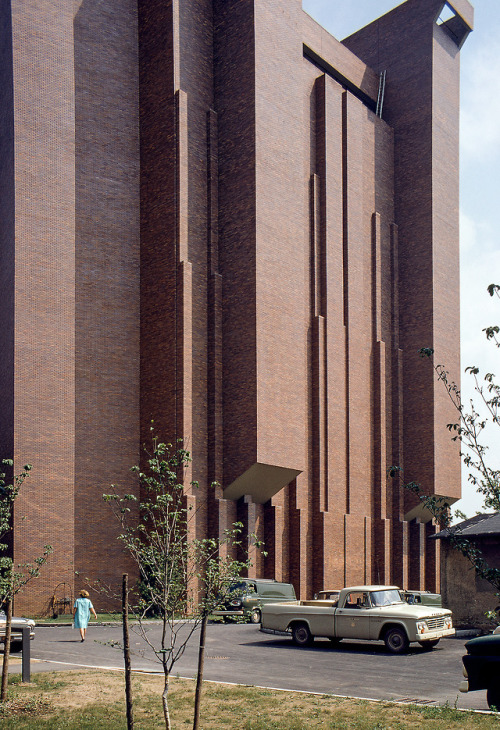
(422, 514)
(261, 482)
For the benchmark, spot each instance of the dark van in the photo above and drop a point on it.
(422, 598)
(247, 595)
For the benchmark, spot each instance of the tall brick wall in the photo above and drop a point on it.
(75, 321)
(107, 293)
(44, 278)
(215, 230)
(7, 234)
(421, 104)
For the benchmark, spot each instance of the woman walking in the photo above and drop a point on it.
(81, 611)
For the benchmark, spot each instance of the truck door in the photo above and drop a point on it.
(352, 620)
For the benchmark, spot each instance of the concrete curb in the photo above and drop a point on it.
(467, 633)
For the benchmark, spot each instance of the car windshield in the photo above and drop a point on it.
(385, 598)
(241, 587)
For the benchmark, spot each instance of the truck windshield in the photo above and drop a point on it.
(240, 587)
(385, 598)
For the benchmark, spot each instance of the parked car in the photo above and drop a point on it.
(482, 668)
(247, 596)
(18, 624)
(331, 595)
(376, 613)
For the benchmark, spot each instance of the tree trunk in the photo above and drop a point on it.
(199, 677)
(126, 655)
(6, 649)
(164, 699)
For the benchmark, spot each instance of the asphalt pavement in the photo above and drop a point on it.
(242, 654)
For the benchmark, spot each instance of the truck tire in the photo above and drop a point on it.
(493, 696)
(301, 635)
(428, 645)
(396, 640)
(255, 617)
(16, 644)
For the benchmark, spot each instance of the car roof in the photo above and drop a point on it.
(372, 588)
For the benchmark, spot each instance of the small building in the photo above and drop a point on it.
(464, 592)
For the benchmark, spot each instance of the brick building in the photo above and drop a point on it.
(216, 215)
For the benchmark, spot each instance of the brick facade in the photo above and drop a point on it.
(205, 222)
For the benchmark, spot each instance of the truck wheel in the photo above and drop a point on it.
(255, 616)
(301, 635)
(396, 641)
(16, 645)
(428, 645)
(493, 697)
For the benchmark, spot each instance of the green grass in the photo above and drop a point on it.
(94, 700)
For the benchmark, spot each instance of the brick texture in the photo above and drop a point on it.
(205, 223)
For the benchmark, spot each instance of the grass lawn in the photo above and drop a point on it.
(81, 700)
(67, 618)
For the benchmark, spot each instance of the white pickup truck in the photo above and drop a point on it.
(361, 612)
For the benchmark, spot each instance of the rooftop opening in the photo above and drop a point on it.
(453, 24)
(446, 14)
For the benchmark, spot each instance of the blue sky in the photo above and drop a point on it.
(479, 183)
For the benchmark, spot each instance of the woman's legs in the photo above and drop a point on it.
(82, 634)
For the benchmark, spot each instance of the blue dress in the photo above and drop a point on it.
(82, 615)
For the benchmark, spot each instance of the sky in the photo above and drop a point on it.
(479, 187)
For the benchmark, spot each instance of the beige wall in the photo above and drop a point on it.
(466, 595)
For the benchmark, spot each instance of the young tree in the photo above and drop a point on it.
(216, 575)
(126, 654)
(13, 577)
(468, 430)
(182, 579)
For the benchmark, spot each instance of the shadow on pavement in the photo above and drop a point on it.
(342, 647)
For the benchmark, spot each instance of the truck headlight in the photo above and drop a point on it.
(448, 624)
(421, 627)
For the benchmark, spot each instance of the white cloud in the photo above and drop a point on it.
(480, 130)
(480, 266)
(480, 185)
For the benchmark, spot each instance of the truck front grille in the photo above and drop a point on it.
(435, 623)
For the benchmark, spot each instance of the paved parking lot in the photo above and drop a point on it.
(242, 654)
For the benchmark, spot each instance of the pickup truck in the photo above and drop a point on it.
(361, 612)
(482, 668)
